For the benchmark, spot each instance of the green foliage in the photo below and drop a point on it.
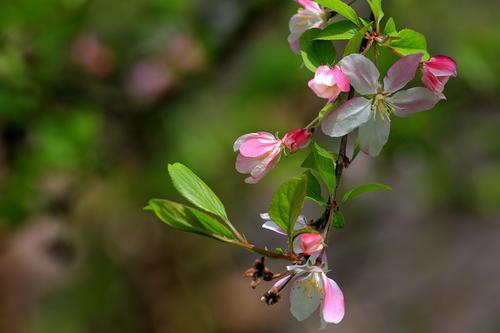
(342, 8)
(191, 187)
(390, 28)
(343, 30)
(409, 42)
(355, 43)
(315, 52)
(313, 192)
(363, 189)
(287, 203)
(338, 221)
(376, 7)
(188, 219)
(322, 161)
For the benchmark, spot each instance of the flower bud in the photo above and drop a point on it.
(297, 139)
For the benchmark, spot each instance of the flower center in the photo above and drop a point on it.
(381, 106)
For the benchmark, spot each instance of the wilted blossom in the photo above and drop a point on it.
(373, 112)
(259, 152)
(309, 17)
(329, 82)
(437, 72)
(296, 139)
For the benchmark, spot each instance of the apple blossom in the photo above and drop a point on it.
(309, 17)
(372, 113)
(296, 139)
(329, 82)
(436, 73)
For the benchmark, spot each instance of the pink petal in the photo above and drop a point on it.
(294, 43)
(310, 243)
(441, 65)
(246, 164)
(402, 72)
(264, 167)
(413, 100)
(362, 73)
(434, 84)
(333, 310)
(258, 146)
(242, 139)
(341, 79)
(308, 4)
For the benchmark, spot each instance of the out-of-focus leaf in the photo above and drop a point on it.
(363, 189)
(410, 42)
(343, 30)
(338, 220)
(195, 190)
(376, 7)
(188, 219)
(314, 189)
(287, 203)
(342, 8)
(355, 43)
(314, 52)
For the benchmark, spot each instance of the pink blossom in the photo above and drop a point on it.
(309, 17)
(310, 243)
(258, 153)
(437, 72)
(297, 139)
(329, 82)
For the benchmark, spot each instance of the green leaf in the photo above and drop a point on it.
(390, 28)
(363, 189)
(343, 30)
(342, 8)
(410, 42)
(338, 221)
(313, 192)
(195, 190)
(314, 52)
(188, 219)
(323, 161)
(287, 203)
(376, 7)
(354, 44)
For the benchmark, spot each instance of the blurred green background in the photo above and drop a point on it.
(96, 97)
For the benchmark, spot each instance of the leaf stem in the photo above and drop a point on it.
(252, 248)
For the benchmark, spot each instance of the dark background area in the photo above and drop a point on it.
(96, 97)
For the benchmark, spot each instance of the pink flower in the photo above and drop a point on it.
(310, 243)
(309, 17)
(372, 111)
(329, 82)
(297, 139)
(258, 153)
(437, 72)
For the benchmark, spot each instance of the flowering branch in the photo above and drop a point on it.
(357, 99)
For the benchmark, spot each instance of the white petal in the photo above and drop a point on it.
(362, 73)
(374, 135)
(402, 72)
(270, 225)
(265, 216)
(347, 117)
(413, 100)
(301, 223)
(304, 297)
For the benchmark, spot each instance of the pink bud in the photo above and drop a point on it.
(329, 82)
(258, 153)
(310, 243)
(437, 72)
(297, 139)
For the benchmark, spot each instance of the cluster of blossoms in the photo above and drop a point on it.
(357, 99)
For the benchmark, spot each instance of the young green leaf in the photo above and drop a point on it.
(314, 52)
(342, 8)
(195, 190)
(188, 219)
(390, 28)
(343, 30)
(410, 42)
(287, 203)
(376, 7)
(323, 162)
(355, 43)
(338, 220)
(363, 189)
(313, 192)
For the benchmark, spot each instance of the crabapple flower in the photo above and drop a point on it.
(258, 153)
(296, 139)
(372, 111)
(311, 288)
(309, 17)
(329, 82)
(436, 73)
(309, 243)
